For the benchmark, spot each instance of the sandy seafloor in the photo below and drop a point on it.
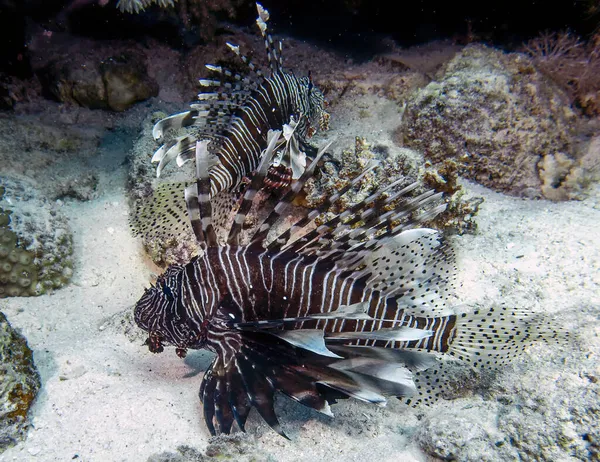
(106, 398)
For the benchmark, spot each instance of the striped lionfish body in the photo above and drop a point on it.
(355, 307)
(235, 113)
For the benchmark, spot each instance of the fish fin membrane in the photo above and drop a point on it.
(442, 380)
(417, 268)
(264, 364)
(224, 206)
(485, 340)
(163, 215)
(494, 337)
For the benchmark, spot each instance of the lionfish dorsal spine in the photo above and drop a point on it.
(197, 198)
(261, 21)
(252, 189)
(262, 231)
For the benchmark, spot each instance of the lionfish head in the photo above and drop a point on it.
(159, 312)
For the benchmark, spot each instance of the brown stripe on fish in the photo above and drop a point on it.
(236, 112)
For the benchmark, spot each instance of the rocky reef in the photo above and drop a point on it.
(106, 77)
(502, 122)
(19, 384)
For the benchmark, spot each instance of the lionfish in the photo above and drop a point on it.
(356, 306)
(236, 112)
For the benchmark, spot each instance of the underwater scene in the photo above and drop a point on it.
(299, 231)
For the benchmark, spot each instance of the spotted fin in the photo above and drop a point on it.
(487, 339)
(494, 337)
(162, 216)
(417, 268)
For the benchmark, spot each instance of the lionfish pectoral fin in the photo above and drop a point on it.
(291, 155)
(255, 184)
(415, 361)
(392, 334)
(233, 386)
(308, 339)
(173, 150)
(304, 370)
(189, 153)
(175, 121)
(261, 391)
(223, 401)
(354, 311)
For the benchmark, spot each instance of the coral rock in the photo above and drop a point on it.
(35, 242)
(115, 81)
(507, 127)
(19, 384)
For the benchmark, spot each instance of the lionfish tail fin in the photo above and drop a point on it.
(300, 365)
(485, 339)
(496, 336)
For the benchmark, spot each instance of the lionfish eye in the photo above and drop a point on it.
(167, 291)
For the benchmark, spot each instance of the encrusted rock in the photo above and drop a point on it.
(395, 163)
(100, 79)
(506, 126)
(19, 384)
(551, 413)
(51, 155)
(36, 245)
